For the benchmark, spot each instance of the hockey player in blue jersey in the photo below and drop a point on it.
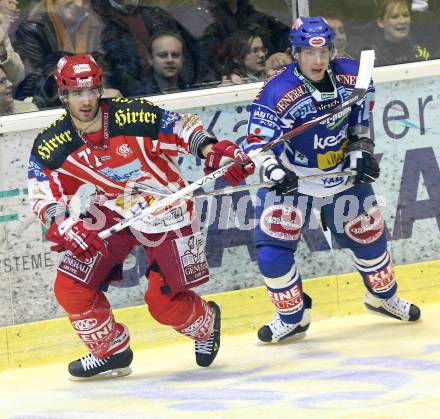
(310, 87)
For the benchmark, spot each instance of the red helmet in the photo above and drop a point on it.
(78, 71)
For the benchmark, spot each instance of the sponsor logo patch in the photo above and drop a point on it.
(288, 301)
(290, 97)
(367, 227)
(317, 41)
(77, 269)
(192, 258)
(47, 147)
(382, 281)
(331, 158)
(282, 222)
(81, 68)
(84, 324)
(127, 116)
(87, 82)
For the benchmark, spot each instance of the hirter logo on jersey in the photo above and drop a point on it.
(124, 150)
(317, 41)
(367, 227)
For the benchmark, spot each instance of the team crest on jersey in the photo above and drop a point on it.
(282, 222)
(124, 150)
(367, 227)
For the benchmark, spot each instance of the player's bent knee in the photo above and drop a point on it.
(275, 262)
(73, 296)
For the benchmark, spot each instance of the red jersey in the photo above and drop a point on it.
(139, 142)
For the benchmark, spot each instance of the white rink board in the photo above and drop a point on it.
(406, 128)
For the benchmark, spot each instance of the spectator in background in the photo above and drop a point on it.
(191, 14)
(165, 56)
(336, 22)
(52, 29)
(128, 29)
(426, 24)
(242, 59)
(277, 62)
(9, 59)
(392, 38)
(8, 105)
(234, 15)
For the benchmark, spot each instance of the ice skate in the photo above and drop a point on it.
(207, 350)
(395, 307)
(91, 368)
(278, 330)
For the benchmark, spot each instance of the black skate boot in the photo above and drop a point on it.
(278, 330)
(90, 368)
(395, 307)
(207, 350)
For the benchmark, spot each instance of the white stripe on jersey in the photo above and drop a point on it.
(94, 174)
(158, 174)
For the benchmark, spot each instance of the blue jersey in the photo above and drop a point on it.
(289, 100)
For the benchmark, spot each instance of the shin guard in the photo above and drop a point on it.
(378, 275)
(98, 329)
(91, 316)
(286, 294)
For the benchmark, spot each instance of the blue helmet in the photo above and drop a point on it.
(309, 32)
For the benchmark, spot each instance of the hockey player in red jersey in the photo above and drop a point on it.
(112, 144)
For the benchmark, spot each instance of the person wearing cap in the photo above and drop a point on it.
(127, 149)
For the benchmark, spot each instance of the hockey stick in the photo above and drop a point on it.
(140, 187)
(362, 82)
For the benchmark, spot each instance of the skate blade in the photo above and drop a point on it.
(120, 372)
(289, 339)
(379, 311)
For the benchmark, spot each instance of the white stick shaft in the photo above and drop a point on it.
(232, 189)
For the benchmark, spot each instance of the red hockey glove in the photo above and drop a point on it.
(75, 235)
(224, 151)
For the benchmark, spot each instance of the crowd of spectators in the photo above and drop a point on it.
(175, 45)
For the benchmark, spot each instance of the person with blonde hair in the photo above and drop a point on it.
(392, 40)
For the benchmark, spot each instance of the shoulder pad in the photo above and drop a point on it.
(56, 142)
(346, 71)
